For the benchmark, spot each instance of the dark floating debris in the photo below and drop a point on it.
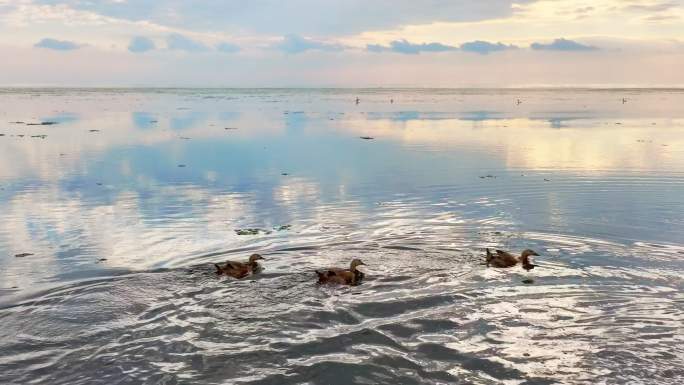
(367, 137)
(39, 136)
(528, 281)
(102, 259)
(181, 165)
(230, 128)
(257, 231)
(2, 134)
(93, 130)
(22, 255)
(17, 122)
(21, 135)
(185, 138)
(99, 183)
(251, 231)
(284, 174)
(547, 180)
(488, 176)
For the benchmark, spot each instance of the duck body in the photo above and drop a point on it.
(504, 259)
(351, 276)
(240, 269)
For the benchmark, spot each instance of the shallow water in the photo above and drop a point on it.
(132, 195)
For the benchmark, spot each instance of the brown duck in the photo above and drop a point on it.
(351, 277)
(240, 269)
(505, 259)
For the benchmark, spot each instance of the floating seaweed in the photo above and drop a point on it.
(250, 231)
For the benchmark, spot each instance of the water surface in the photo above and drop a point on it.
(125, 199)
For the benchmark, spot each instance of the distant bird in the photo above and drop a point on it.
(239, 269)
(339, 276)
(505, 259)
(357, 100)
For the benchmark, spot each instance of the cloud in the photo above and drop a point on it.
(302, 17)
(377, 48)
(58, 45)
(562, 45)
(658, 18)
(181, 43)
(227, 47)
(141, 44)
(403, 46)
(658, 7)
(297, 44)
(485, 47)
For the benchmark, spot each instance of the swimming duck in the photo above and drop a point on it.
(240, 269)
(351, 277)
(505, 259)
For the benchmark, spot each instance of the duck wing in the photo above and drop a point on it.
(505, 254)
(236, 269)
(338, 276)
(503, 259)
(335, 275)
(235, 265)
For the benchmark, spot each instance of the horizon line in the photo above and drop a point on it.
(531, 87)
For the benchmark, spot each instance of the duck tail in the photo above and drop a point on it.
(489, 256)
(219, 270)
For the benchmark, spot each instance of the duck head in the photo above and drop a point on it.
(356, 262)
(527, 253)
(525, 259)
(255, 257)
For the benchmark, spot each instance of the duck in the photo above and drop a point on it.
(240, 269)
(506, 259)
(351, 277)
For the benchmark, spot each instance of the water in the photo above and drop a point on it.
(134, 194)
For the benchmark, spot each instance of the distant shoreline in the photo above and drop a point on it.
(358, 89)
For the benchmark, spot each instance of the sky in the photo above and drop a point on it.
(342, 43)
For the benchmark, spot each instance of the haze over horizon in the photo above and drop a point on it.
(306, 43)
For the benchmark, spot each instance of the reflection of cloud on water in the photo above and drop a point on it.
(71, 147)
(523, 143)
(189, 120)
(143, 120)
(62, 118)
